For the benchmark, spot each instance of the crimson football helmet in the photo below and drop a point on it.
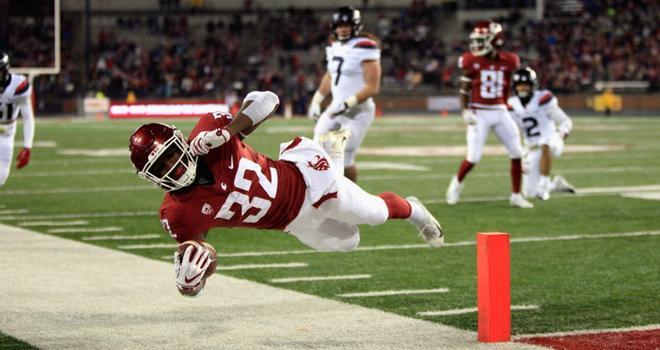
(159, 153)
(485, 37)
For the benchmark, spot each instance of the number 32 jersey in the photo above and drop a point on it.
(249, 190)
(344, 63)
(489, 78)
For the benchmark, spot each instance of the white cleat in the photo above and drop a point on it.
(561, 185)
(543, 195)
(454, 191)
(517, 200)
(334, 142)
(429, 228)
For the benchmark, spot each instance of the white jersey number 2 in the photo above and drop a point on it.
(492, 83)
(263, 204)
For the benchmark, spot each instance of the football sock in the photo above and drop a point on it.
(397, 207)
(464, 170)
(545, 184)
(516, 174)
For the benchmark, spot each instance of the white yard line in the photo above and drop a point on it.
(383, 293)
(53, 223)
(410, 246)
(127, 300)
(75, 173)
(589, 331)
(439, 176)
(14, 211)
(319, 278)
(85, 229)
(472, 310)
(112, 214)
(71, 190)
(147, 246)
(262, 266)
(120, 237)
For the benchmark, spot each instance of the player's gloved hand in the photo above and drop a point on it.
(337, 108)
(190, 269)
(563, 135)
(314, 111)
(207, 140)
(469, 117)
(23, 158)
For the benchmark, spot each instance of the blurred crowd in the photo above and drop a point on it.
(166, 57)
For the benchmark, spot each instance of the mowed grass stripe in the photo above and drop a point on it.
(109, 214)
(471, 310)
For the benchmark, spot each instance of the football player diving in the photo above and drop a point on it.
(215, 179)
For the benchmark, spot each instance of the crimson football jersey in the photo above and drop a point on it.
(249, 190)
(490, 78)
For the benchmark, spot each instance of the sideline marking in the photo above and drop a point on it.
(319, 278)
(588, 331)
(53, 223)
(262, 266)
(120, 237)
(471, 310)
(85, 229)
(148, 246)
(101, 152)
(393, 292)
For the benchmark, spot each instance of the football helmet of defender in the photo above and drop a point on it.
(484, 88)
(303, 193)
(353, 78)
(544, 126)
(15, 99)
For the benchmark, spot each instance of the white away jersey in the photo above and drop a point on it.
(345, 65)
(16, 93)
(540, 119)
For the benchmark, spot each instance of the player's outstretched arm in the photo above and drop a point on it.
(314, 110)
(28, 130)
(257, 107)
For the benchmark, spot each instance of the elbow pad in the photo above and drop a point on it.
(263, 102)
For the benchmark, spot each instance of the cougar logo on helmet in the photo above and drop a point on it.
(485, 38)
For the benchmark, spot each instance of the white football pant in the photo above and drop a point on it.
(7, 132)
(357, 120)
(504, 127)
(333, 226)
(532, 165)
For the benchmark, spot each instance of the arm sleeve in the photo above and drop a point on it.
(263, 103)
(27, 114)
(563, 121)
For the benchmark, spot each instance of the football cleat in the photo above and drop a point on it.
(454, 191)
(429, 228)
(543, 195)
(517, 200)
(561, 185)
(334, 142)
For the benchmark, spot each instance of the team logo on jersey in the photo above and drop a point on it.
(223, 186)
(207, 209)
(319, 164)
(476, 66)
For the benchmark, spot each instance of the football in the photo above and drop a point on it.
(201, 245)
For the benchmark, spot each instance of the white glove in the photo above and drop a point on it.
(337, 108)
(314, 111)
(207, 140)
(469, 117)
(190, 268)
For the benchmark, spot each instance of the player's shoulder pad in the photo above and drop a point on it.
(23, 85)
(546, 97)
(366, 41)
(465, 60)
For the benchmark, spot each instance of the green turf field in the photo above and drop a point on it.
(608, 281)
